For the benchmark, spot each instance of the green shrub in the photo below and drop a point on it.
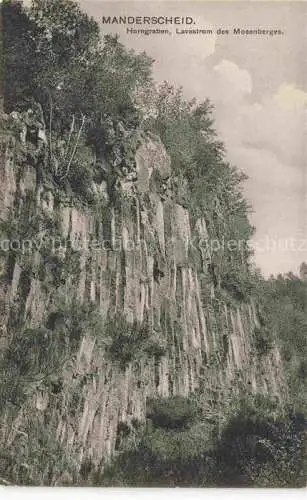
(37, 351)
(282, 305)
(76, 320)
(128, 341)
(155, 349)
(263, 341)
(37, 355)
(263, 452)
(36, 457)
(238, 282)
(259, 446)
(31, 357)
(175, 412)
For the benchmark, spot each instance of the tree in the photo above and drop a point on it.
(18, 56)
(283, 309)
(213, 186)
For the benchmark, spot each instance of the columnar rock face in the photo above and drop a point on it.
(141, 254)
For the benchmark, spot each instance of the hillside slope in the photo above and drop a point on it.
(124, 291)
(126, 279)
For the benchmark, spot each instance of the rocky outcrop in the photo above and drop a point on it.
(142, 255)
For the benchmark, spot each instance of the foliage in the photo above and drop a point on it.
(18, 50)
(76, 320)
(283, 313)
(214, 186)
(51, 37)
(29, 225)
(175, 412)
(162, 458)
(128, 341)
(239, 282)
(255, 450)
(84, 87)
(38, 354)
(263, 340)
(35, 457)
(259, 446)
(76, 74)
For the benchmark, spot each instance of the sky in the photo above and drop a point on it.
(258, 85)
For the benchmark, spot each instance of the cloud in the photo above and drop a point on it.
(239, 80)
(266, 140)
(290, 98)
(278, 123)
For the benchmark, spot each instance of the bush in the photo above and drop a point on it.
(76, 320)
(263, 341)
(175, 412)
(37, 354)
(163, 458)
(36, 457)
(238, 282)
(264, 452)
(127, 341)
(258, 446)
(282, 304)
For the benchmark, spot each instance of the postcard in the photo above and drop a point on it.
(153, 244)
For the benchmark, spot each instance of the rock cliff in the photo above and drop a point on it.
(140, 258)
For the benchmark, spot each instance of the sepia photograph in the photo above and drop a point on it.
(153, 244)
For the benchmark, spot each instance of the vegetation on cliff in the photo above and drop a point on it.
(96, 98)
(259, 443)
(179, 446)
(93, 95)
(283, 313)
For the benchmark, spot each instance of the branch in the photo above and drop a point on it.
(5, 482)
(74, 150)
(50, 126)
(72, 127)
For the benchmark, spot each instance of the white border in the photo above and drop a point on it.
(148, 494)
